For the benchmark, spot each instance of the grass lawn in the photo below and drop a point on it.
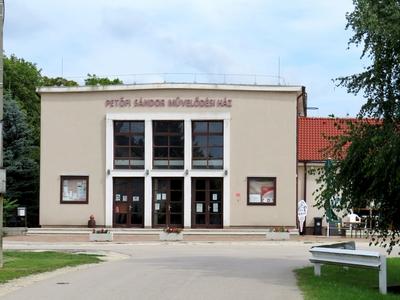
(19, 263)
(354, 283)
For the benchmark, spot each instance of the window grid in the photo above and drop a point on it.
(168, 144)
(129, 144)
(208, 134)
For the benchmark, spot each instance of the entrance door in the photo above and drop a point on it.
(207, 202)
(167, 202)
(128, 203)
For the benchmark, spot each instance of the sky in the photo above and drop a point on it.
(304, 41)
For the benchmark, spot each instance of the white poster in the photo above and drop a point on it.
(199, 207)
(117, 197)
(163, 196)
(157, 207)
(124, 198)
(215, 207)
(135, 198)
(158, 196)
(302, 210)
(215, 197)
(81, 190)
(255, 198)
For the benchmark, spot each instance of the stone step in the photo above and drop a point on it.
(153, 231)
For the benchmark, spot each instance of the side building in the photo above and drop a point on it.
(313, 143)
(156, 155)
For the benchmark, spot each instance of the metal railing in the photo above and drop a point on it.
(206, 78)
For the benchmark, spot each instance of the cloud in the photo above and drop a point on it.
(15, 25)
(204, 36)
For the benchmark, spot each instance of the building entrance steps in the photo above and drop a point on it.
(156, 231)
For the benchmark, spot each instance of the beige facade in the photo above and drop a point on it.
(259, 141)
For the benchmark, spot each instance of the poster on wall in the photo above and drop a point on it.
(215, 207)
(267, 194)
(117, 197)
(74, 190)
(261, 190)
(199, 207)
(80, 190)
(135, 198)
(255, 198)
(124, 198)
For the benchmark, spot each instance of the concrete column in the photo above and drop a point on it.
(227, 174)
(109, 180)
(148, 156)
(187, 220)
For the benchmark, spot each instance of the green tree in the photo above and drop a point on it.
(22, 168)
(9, 210)
(22, 128)
(366, 168)
(21, 78)
(92, 79)
(57, 81)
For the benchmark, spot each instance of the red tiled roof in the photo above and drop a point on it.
(312, 141)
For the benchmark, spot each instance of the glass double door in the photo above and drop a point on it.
(128, 202)
(167, 202)
(207, 202)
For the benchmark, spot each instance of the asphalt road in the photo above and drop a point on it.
(178, 271)
(189, 270)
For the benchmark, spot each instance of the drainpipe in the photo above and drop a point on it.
(305, 182)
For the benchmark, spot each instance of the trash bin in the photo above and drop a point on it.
(317, 226)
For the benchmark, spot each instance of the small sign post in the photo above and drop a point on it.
(302, 209)
(21, 212)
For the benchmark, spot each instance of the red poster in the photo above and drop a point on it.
(267, 194)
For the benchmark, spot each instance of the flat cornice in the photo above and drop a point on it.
(170, 86)
(310, 163)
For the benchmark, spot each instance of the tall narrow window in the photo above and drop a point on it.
(129, 145)
(208, 144)
(168, 144)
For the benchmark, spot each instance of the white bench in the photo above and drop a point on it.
(352, 258)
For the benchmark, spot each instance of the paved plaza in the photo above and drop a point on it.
(182, 270)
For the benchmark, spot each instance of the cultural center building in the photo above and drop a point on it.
(188, 155)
